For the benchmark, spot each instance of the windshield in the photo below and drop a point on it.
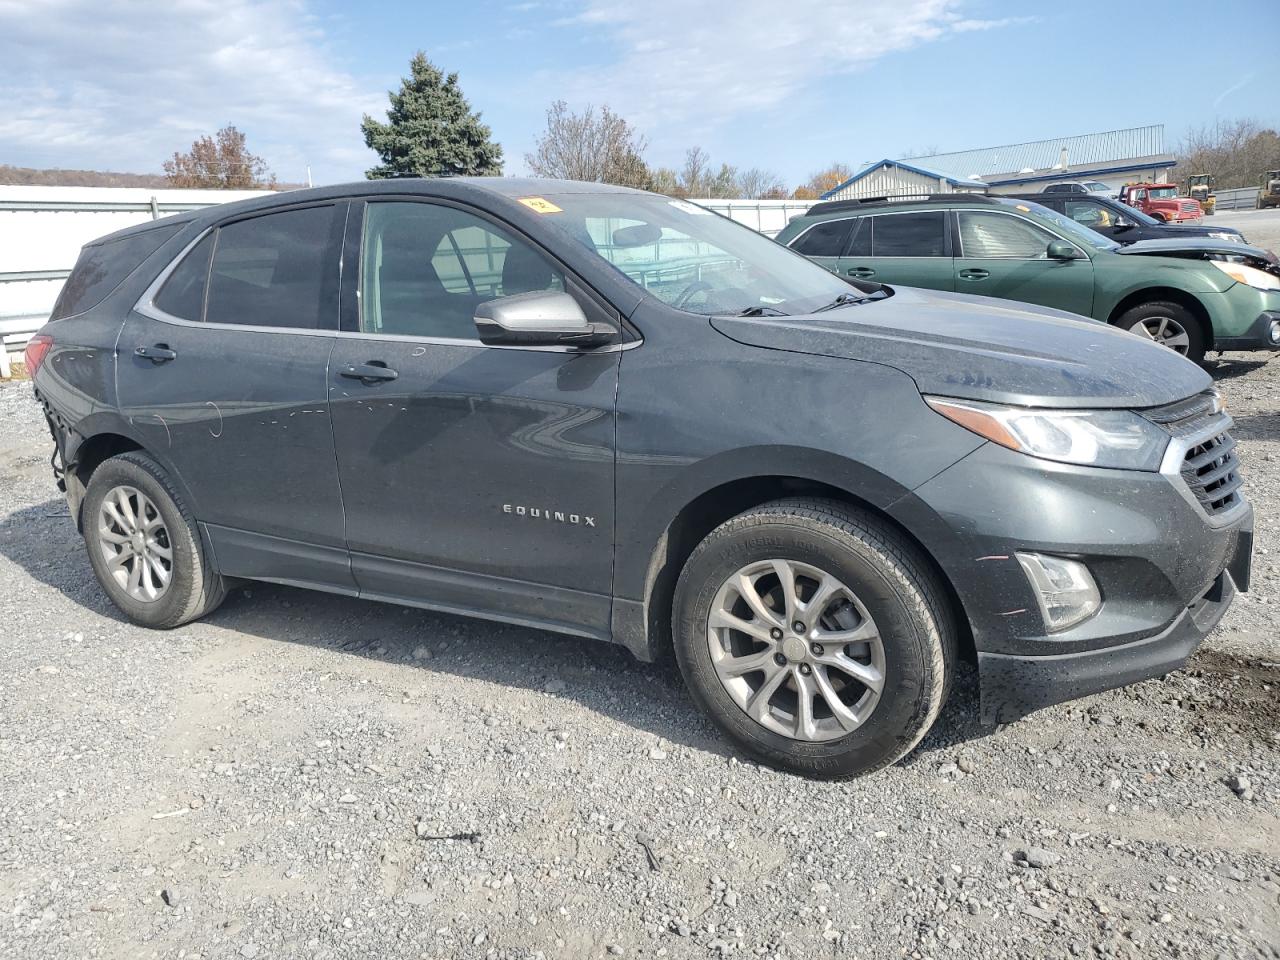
(691, 258)
(1163, 193)
(1066, 226)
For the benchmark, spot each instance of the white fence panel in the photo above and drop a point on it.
(766, 216)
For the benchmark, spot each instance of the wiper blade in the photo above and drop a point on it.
(762, 312)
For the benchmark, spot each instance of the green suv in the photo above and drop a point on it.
(1191, 295)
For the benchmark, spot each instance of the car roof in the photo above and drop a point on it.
(855, 208)
(474, 189)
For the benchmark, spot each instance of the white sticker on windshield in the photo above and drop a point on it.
(688, 207)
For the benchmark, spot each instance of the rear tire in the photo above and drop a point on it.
(1169, 324)
(144, 546)
(864, 606)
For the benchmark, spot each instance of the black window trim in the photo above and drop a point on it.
(353, 262)
(146, 303)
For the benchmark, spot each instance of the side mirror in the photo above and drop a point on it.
(1061, 250)
(539, 318)
(1123, 223)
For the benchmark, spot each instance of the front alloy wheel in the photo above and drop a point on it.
(1165, 331)
(796, 650)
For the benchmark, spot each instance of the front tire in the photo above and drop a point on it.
(144, 546)
(1168, 324)
(815, 636)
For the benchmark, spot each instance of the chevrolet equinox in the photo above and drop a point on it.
(613, 414)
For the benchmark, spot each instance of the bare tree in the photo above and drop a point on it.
(600, 147)
(693, 175)
(220, 162)
(756, 184)
(1235, 152)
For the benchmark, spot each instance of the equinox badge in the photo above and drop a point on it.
(542, 513)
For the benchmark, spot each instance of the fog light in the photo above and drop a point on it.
(1273, 333)
(1064, 589)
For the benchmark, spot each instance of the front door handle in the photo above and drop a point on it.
(370, 372)
(157, 353)
(974, 274)
(862, 273)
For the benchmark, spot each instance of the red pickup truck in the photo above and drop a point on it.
(1161, 200)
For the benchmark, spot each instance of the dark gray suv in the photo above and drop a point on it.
(616, 415)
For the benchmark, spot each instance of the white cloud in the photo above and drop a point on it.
(121, 85)
(688, 64)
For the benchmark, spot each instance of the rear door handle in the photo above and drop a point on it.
(157, 353)
(974, 274)
(862, 273)
(369, 372)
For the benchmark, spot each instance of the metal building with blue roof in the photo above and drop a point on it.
(1114, 157)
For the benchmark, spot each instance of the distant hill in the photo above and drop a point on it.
(29, 177)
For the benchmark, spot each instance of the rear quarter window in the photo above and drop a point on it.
(102, 267)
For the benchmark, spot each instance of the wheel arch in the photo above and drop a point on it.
(1170, 295)
(644, 625)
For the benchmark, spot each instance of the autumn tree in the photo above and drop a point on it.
(600, 147)
(822, 181)
(219, 162)
(1235, 152)
(757, 184)
(431, 129)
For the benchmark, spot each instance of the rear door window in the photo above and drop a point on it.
(921, 234)
(825, 239)
(102, 267)
(182, 295)
(276, 270)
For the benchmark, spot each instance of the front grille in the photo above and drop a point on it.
(1212, 471)
(1210, 468)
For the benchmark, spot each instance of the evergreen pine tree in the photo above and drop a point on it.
(431, 130)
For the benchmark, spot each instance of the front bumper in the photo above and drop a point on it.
(1262, 334)
(1165, 567)
(1012, 687)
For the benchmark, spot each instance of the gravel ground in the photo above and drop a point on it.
(306, 775)
(1260, 227)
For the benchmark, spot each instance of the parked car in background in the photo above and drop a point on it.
(1161, 200)
(1123, 223)
(1093, 187)
(1190, 295)
(620, 416)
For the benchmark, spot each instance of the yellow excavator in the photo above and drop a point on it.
(1200, 189)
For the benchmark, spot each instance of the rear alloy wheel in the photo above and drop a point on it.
(144, 545)
(815, 636)
(1168, 324)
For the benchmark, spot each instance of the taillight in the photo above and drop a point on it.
(37, 348)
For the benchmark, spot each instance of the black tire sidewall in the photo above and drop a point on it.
(172, 608)
(1196, 345)
(909, 660)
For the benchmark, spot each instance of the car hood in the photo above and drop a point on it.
(1201, 244)
(981, 348)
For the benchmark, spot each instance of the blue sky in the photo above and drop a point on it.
(791, 87)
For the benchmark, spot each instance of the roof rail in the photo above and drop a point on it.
(831, 206)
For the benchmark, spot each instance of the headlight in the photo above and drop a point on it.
(1095, 438)
(1250, 276)
(1232, 237)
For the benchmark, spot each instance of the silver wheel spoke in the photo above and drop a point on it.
(125, 505)
(160, 551)
(1178, 341)
(747, 590)
(758, 705)
(116, 517)
(806, 689)
(787, 578)
(109, 535)
(865, 674)
(738, 666)
(725, 620)
(828, 587)
(135, 575)
(120, 558)
(847, 719)
(860, 634)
